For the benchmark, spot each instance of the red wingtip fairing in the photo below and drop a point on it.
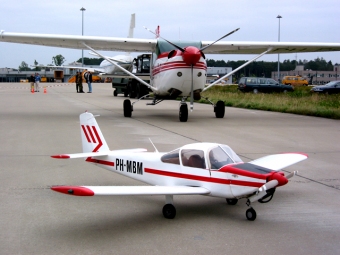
(60, 156)
(281, 179)
(73, 190)
(191, 55)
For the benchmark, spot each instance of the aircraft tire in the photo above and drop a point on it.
(127, 106)
(183, 113)
(251, 214)
(169, 211)
(220, 109)
(231, 201)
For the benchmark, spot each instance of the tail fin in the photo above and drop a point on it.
(91, 135)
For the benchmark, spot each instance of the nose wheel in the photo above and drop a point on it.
(251, 214)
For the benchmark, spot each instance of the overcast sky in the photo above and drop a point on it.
(302, 21)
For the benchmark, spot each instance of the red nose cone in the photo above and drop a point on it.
(191, 55)
(282, 180)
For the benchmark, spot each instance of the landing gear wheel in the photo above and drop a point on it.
(115, 93)
(169, 211)
(127, 106)
(231, 201)
(251, 214)
(219, 109)
(183, 113)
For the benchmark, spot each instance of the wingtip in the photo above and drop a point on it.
(62, 156)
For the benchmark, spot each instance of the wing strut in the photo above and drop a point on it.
(234, 71)
(121, 68)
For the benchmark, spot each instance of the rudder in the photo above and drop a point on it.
(91, 135)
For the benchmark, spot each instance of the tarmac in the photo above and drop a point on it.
(302, 218)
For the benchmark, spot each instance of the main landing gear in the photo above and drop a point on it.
(219, 108)
(169, 210)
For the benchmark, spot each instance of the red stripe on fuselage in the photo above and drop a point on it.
(202, 178)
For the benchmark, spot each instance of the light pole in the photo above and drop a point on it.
(278, 55)
(82, 33)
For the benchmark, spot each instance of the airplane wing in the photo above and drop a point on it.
(129, 190)
(147, 45)
(279, 161)
(76, 42)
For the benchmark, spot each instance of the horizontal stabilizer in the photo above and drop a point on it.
(129, 190)
(279, 161)
(96, 154)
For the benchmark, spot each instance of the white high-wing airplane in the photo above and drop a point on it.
(194, 169)
(178, 69)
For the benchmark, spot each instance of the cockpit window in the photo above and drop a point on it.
(231, 154)
(171, 157)
(221, 156)
(193, 158)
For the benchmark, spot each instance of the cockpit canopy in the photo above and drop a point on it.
(202, 155)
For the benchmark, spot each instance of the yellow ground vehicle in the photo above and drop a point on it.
(294, 80)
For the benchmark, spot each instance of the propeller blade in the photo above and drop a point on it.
(262, 190)
(192, 89)
(176, 46)
(290, 175)
(202, 49)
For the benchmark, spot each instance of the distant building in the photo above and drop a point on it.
(318, 77)
(213, 72)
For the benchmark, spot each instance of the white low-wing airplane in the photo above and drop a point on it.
(194, 169)
(178, 69)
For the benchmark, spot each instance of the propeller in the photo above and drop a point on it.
(276, 179)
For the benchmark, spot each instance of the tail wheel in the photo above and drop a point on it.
(169, 211)
(219, 109)
(127, 106)
(183, 113)
(251, 214)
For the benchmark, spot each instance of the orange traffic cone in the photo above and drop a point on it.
(45, 90)
(32, 90)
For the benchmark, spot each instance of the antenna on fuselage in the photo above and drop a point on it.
(153, 145)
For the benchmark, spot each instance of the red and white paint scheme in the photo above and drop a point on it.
(194, 169)
(177, 69)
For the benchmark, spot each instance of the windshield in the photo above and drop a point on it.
(222, 155)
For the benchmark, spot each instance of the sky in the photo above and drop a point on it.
(302, 21)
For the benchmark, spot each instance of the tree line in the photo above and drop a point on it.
(264, 69)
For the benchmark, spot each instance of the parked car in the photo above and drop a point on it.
(329, 88)
(258, 84)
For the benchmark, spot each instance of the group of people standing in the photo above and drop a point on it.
(79, 81)
(34, 80)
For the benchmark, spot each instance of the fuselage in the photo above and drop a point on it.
(166, 169)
